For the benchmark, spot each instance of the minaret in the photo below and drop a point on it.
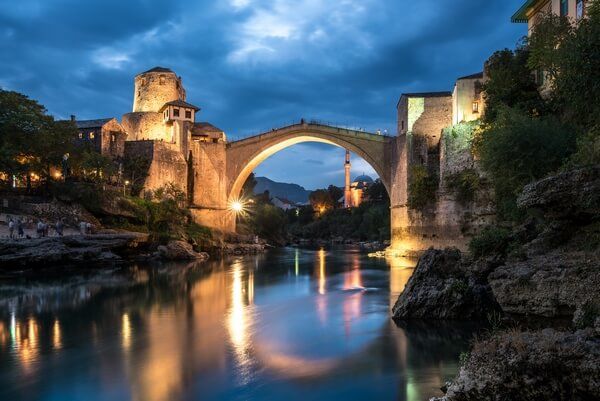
(347, 191)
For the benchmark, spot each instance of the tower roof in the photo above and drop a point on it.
(157, 69)
(179, 103)
(477, 75)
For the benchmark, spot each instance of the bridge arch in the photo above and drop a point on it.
(245, 155)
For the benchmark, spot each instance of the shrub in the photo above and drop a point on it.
(517, 149)
(491, 240)
(464, 184)
(422, 187)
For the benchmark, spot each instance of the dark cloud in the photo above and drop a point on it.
(252, 64)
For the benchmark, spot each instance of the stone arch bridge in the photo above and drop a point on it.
(217, 172)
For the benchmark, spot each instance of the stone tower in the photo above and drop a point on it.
(153, 89)
(347, 191)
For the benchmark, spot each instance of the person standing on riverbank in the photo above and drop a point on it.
(20, 230)
(58, 228)
(11, 229)
(40, 229)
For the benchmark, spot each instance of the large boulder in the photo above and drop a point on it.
(530, 366)
(573, 195)
(549, 285)
(442, 287)
(180, 250)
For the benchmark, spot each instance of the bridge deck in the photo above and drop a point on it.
(314, 126)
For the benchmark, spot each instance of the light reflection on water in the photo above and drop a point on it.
(292, 324)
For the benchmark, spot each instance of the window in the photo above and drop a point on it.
(564, 8)
(188, 114)
(580, 9)
(92, 135)
(80, 135)
(113, 137)
(175, 112)
(161, 80)
(402, 124)
(475, 107)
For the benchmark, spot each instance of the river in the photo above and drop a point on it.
(288, 325)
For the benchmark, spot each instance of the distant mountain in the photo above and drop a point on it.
(293, 192)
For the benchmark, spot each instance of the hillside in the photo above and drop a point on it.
(293, 192)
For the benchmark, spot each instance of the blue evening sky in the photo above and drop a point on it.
(253, 64)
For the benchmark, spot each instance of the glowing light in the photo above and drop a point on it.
(126, 182)
(125, 331)
(322, 281)
(56, 335)
(237, 207)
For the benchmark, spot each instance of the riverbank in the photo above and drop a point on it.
(537, 287)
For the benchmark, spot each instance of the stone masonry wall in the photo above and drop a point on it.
(154, 89)
(145, 126)
(167, 163)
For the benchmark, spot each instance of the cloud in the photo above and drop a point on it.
(252, 65)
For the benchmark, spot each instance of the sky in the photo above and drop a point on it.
(253, 65)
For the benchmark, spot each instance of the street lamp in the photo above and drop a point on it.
(125, 186)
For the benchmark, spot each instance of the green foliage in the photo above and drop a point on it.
(577, 85)
(490, 241)
(97, 167)
(422, 187)
(510, 83)
(588, 149)
(517, 149)
(463, 358)
(459, 137)
(135, 170)
(335, 193)
(200, 236)
(464, 184)
(368, 222)
(268, 222)
(30, 140)
(549, 33)
(377, 192)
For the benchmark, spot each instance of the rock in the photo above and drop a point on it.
(180, 250)
(67, 250)
(574, 194)
(524, 366)
(550, 285)
(442, 287)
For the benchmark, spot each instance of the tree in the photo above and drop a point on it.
(518, 149)
(511, 84)
(30, 140)
(376, 192)
(335, 193)
(321, 200)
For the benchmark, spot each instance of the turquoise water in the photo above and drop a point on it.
(289, 325)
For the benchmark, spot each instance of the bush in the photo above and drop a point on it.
(516, 150)
(492, 240)
(422, 187)
(464, 184)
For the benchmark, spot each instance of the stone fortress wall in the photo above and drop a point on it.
(422, 141)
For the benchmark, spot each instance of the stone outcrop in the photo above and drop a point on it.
(572, 195)
(544, 365)
(443, 287)
(551, 285)
(44, 252)
(180, 250)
